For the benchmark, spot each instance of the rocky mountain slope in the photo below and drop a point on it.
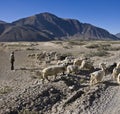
(118, 35)
(2, 22)
(46, 27)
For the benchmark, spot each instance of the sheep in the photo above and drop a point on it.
(48, 59)
(115, 73)
(71, 69)
(60, 62)
(53, 70)
(68, 62)
(118, 65)
(87, 64)
(118, 78)
(69, 58)
(57, 57)
(110, 68)
(97, 76)
(41, 55)
(52, 55)
(32, 55)
(78, 61)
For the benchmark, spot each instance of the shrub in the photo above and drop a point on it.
(114, 49)
(92, 46)
(57, 42)
(99, 46)
(100, 53)
(76, 42)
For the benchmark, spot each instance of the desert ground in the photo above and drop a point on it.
(22, 91)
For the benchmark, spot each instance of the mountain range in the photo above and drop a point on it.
(47, 27)
(118, 35)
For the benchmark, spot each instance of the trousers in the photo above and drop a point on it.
(12, 65)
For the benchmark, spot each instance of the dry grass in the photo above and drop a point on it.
(76, 42)
(100, 53)
(57, 42)
(98, 46)
(92, 46)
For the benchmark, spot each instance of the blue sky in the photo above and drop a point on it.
(101, 13)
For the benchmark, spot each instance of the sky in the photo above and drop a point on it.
(101, 13)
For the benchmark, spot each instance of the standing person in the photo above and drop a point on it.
(12, 60)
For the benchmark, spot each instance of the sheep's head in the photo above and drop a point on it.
(118, 65)
(64, 64)
(115, 64)
(102, 66)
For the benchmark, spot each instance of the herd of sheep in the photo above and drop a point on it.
(69, 64)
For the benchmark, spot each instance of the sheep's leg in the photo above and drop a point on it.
(63, 73)
(118, 79)
(76, 72)
(91, 82)
(43, 79)
(96, 81)
(55, 76)
(68, 73)
(92, 68)
(114, 77)
(47, 78)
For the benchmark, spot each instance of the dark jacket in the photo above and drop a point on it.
(12, 58)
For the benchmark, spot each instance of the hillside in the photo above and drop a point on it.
(46, 27)
(2, 22)
(118, 35)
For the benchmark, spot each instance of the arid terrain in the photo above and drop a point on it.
(22, 91)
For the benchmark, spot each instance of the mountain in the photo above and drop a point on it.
(118, 35)
(46, 27)
(2, 22)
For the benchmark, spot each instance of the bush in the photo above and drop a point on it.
(100, 53)
(91, 46)
(76, 42)
(99, 46)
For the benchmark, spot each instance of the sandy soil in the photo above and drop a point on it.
(23, 81)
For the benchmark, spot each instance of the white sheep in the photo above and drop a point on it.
(118, 65)
(115, 73)
(53, 70)
(31, 55)
(41, 55)
(118, 78)
(66, 61)
(78, 61)
(109, 68)
(59, 62)
(72, 69)
(87, 64)
(97, 76)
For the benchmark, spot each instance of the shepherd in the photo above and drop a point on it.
(12, 60)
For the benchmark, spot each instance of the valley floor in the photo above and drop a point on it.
(22, 90)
